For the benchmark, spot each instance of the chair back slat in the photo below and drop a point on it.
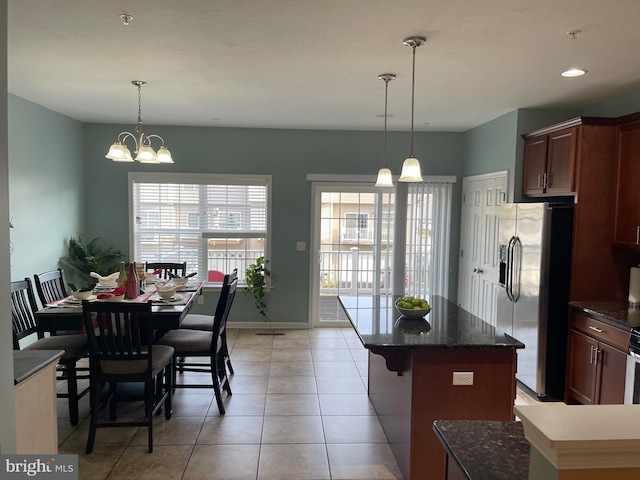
(121, 332)
(227, 295)
(23, 308)
(177, 269)
(51, 286)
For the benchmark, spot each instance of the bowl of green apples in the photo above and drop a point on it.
(412, 307)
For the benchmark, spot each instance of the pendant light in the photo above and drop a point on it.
(384, 175)
(411, 166)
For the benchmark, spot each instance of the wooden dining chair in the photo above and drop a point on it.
(121, 350)
(200, 343)
(23, 307)
(177, 269)
(196, 321)
(52, 286)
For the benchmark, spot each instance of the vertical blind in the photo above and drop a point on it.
(428, 238)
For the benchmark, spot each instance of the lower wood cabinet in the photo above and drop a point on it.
(596, 361)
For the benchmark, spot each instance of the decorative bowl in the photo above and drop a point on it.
(114, 298)
(82, 295)
(416, 313)
(180, 281)
(166, 292)
(150, 277)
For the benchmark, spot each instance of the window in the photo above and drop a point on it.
(213, 222)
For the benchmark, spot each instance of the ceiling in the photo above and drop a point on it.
(314, 64)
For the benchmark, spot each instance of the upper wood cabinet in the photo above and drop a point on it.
(627, 210)
(549, 162)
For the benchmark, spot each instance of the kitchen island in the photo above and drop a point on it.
(413, 365)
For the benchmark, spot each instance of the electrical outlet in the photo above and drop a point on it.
(201, 300)
(463, 378)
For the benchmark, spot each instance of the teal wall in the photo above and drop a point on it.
(288, 155)
(61, 184)
(46, 175)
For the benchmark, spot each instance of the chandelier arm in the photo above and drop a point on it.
(124, 135)
(149, 137)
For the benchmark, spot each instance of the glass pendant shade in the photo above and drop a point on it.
(410, 170)
(164, 155)
(384, 178)
(146, 155)
(119, 153)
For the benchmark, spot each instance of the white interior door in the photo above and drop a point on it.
(479, 266)
(352, 244)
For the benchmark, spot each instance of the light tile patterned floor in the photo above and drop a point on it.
(299, 410)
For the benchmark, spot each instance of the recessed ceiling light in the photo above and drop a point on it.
(573, 72)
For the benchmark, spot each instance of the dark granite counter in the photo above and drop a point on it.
(28, 362)
(616, 313)
(379, 324)
(486, 450)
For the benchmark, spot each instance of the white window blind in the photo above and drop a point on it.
(428, 235)
(215, 223)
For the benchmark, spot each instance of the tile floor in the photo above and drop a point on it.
(299, 410)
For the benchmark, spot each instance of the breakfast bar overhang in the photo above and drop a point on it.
(413, 365)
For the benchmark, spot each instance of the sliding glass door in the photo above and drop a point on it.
(353, 246)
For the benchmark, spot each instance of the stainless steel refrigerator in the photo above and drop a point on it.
(535, 268)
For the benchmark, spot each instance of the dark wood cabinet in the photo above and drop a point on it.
(596, 361)
(549, 162)
(627, 211)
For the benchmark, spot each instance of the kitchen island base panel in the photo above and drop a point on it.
(408, 402)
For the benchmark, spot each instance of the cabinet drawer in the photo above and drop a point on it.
(604, 332)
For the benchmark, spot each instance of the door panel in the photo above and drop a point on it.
(353, 241)
(479, 262)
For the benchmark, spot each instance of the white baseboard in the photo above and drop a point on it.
(269, 325)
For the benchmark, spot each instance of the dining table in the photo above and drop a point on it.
(66, 314)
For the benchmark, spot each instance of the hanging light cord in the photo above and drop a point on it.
(386, 89)
(413, 88)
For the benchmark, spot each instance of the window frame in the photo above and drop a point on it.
(205, 179)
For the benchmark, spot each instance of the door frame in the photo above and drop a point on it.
(317, 187)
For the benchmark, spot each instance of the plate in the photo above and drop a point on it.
(76, 301)
(173, 298)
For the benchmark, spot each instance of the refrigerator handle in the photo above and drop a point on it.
(517, 244)
(507, 282)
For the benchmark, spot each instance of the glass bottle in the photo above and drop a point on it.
(122, 276)
(132, 282)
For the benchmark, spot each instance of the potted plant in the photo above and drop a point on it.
(82, 259)
(255, 276)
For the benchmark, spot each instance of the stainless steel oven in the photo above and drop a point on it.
(632, 380)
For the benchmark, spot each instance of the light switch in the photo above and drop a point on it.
(301, 246)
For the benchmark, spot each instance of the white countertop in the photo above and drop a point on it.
(584, 436)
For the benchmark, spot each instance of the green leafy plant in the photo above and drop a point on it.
(255, 276)
(83, 258)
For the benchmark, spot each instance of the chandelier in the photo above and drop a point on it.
(119, 152)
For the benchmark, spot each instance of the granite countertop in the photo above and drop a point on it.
(616, 313)
(379, 324)
(486, 450)
(28, 362)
